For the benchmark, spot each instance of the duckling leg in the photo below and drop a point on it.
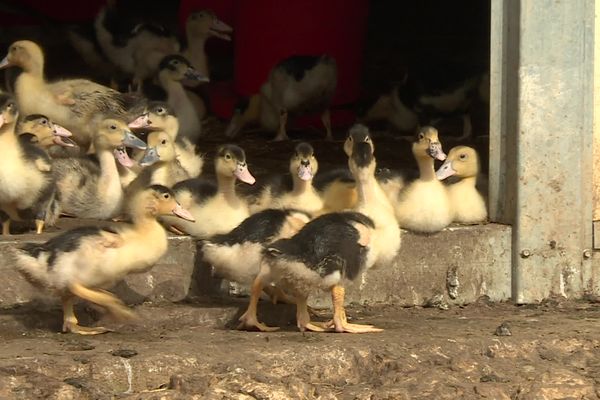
(339, 314)
(281, 133)
(326, 119)
(39, 226)
(6, 227)
(104, 299)
(277, 295)
(303, 317)
(70, 322)
(249, 319)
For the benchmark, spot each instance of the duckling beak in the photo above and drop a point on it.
(143, 121)
(122, 157)
(130, 140)
(2, 120)
(4, 63)
(243, 174)
(150, 157)
(58, 130)
(183, 213)
(305, 171)
(195, 76)
(220, 29)
(445, 171)
(435, 151)
(63, 141)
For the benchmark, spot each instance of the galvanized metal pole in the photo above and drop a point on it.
(542, 92)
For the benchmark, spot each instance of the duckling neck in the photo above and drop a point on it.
(301, 186)
(226, 187)
(470, 181)
(366, 189)
(109, 179)
(196, 53)
(143, 221)
(426, 169)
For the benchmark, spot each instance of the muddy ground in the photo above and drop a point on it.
(189, 351)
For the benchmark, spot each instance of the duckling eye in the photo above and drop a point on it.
(367, 139)
(421, 136)
(164, 141)
(175, 62)
(227, 157)
(160, 110)
(113, 127)
(44, 122)
(166, 196)
(463, 156)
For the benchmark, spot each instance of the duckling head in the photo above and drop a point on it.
(303, 163)
(176, 68)
(162, 117)
(462, 162)
(25, 54)
(205, 24)
(160, 148)
(358, 133)
(115, 135)
(159, 201)
(246, 110)
(428, 144)
(231, 162)
(8, 111)
(362, 161)
(46, 132)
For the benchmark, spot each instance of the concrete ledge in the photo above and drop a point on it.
(455, 266)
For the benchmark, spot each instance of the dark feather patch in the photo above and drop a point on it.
(201, 189)
(323, 179)
(63, 243)
(235, 151)
(327, 244)
(362, 154)
(304, 150)
(297, 66)
(257, 228)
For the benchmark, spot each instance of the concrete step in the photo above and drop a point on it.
(455, 266)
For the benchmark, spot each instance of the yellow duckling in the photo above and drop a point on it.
(468, 205)
(84, 261)
(424, 205)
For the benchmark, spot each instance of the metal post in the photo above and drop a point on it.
(541, 131)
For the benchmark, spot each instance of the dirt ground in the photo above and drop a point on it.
(189, 351)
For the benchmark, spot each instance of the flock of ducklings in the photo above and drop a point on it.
(74, 147)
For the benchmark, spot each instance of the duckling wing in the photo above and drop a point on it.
(35, 155)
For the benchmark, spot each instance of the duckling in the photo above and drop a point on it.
(294, 190)
(160, 165)
(468, 205)
(297, 85)
(428, 96)
(84, 261)
(39, 130)
(27, 189)
(331, 248)
(216, 208)
(76, 104)
(236, 255)
(200, 26)
(92, 189)
(189, 107)
(160, 116)
(424, 205)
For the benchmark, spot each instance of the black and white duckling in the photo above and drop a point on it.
(295, 86)
(201, 26)
(27, 190)
(77, 104)
(84, 261)
(236, 255)
(159, 116)
(424, 205)
(331, 248)
(91, 188)
(468, 205)
(41, 131)
(431, 95)
(293, 190)
(189, 108)
(216, 207)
